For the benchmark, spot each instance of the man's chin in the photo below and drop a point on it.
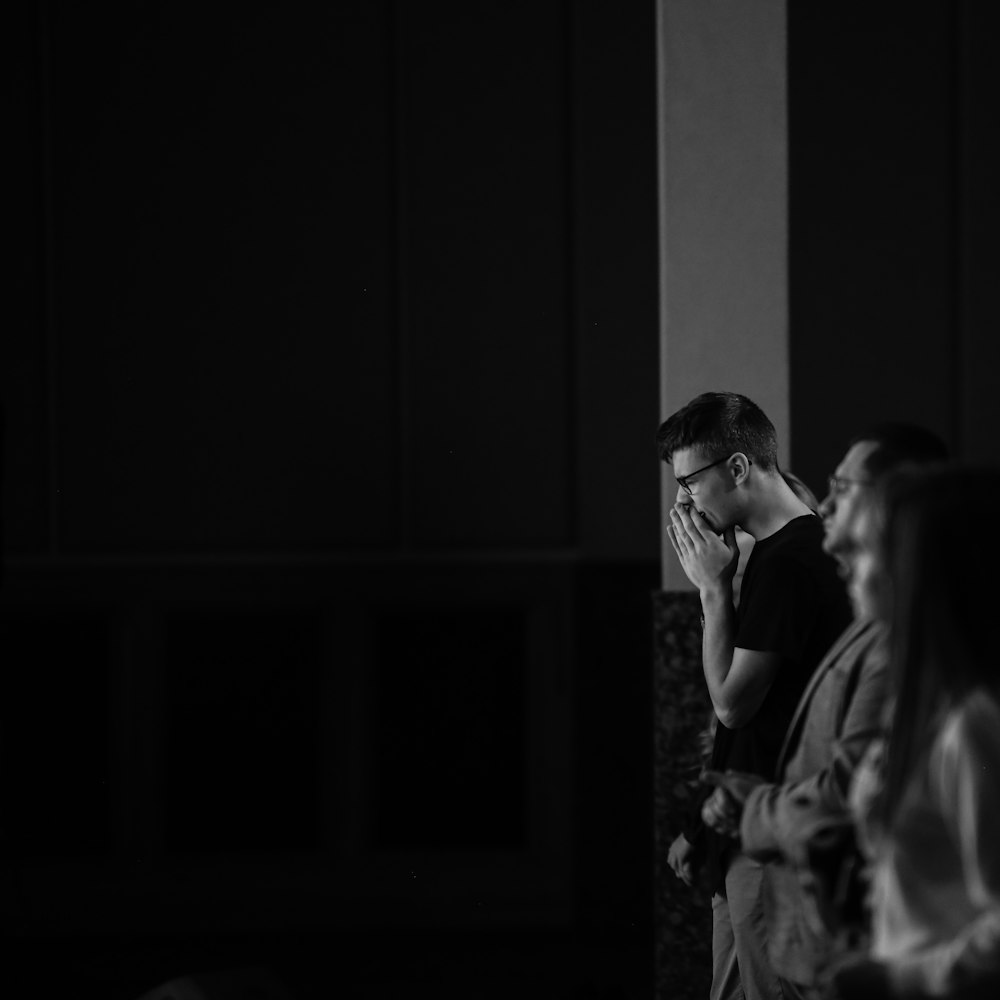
(843, 567)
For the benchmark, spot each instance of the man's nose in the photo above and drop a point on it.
(825, 509)
(683, 496)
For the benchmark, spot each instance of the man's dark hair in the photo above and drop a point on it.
(897, 444)
(720, 424)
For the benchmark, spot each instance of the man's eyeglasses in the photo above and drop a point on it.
(839, 485)
(684, 482)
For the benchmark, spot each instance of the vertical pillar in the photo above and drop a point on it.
(723, 186)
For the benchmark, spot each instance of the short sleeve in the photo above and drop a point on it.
(780, 610)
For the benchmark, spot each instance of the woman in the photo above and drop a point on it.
(930, 821)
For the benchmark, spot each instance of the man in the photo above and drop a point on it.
(840, 712)
(871, 454)
(756, 660)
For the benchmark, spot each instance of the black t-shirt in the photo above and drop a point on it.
(792, 602)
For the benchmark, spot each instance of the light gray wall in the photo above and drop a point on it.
(723, 211)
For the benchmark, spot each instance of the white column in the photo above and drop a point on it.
(723, 186)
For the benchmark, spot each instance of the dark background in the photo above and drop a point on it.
(330, 505)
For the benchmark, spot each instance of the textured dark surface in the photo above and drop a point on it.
(682, 711)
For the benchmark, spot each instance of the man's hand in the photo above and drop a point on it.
(708, 560)
(679, 859)
(721, 812)
(723, 809)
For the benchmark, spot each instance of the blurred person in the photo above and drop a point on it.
(838, 716)
(870, 454)
(757, 659)
(928, 802)
(799, 488)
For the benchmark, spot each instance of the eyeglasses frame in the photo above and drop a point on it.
(836, 486)
(682, 481)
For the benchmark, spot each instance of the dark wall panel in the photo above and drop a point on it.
(55, 733)
(24, 493)
(308, 292)
(485, 241)
(242, 718)
(223, 222)
(448, 729)
(872, 296)
(616, 334)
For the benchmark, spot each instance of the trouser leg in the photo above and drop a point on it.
(725, 971)
(744, 894)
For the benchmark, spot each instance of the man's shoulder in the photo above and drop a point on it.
(805, 532)
(796, 548)
(864, 640)
(856, 660)
(795, 575)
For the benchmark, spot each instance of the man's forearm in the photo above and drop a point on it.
(779, 820)
(717, 645)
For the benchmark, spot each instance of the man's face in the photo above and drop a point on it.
(839, 508)
(711, 490)
(867, 582)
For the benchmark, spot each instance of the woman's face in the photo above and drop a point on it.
(868, 584)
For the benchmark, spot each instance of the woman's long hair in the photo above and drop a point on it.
(941, 550)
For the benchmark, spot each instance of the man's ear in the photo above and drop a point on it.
(739, 467)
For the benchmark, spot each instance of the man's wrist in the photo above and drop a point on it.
(715, 596)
